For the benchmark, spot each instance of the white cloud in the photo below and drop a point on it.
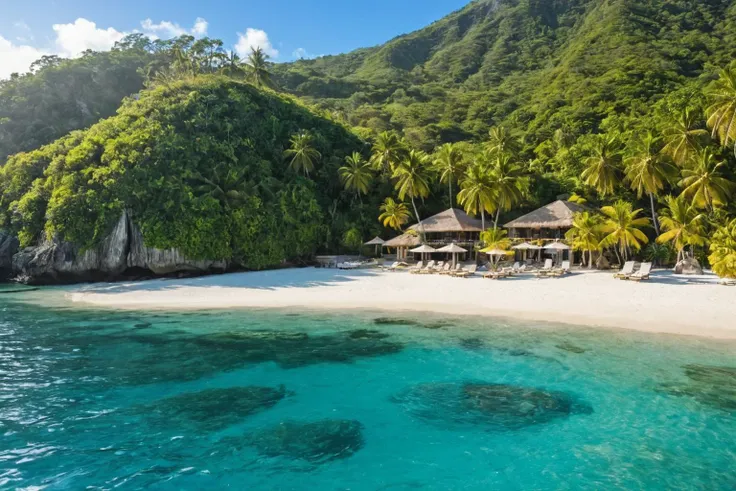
(303, 54)
(16, 58)
(254, 38)
(73, 39)
(168, 29)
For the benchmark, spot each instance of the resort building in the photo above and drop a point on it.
(450, 226)
(548, 223)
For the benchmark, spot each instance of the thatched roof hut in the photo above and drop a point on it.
(404, 240)
(557, 215)
(452, 220)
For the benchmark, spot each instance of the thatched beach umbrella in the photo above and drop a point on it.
(557, 247)
(495, 252)
(423, 249)
(376, 241)
(526, 246)
(453, 249)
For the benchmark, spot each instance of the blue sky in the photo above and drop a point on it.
(29, 28)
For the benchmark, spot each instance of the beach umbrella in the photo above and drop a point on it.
(526, 246)
(557, 247)
(496, 253)
(423, 249)
(376, 241)
(453, 249)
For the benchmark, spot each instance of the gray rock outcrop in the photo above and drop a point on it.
(8, 248)
(56, 261)
(689, 265)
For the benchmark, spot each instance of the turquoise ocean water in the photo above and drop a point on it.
(100, 399)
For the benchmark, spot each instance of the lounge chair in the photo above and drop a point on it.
(453, 271)
(642, 274)
(467, 272)
(437, 268)
(547, 269)
(445, 269)
(416, 267)
(627, 270)
(427, 269)
(390, 268)
(562, 270)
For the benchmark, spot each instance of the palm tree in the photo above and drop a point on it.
(476, 191)
(227, 185)
(723, 251)
(722, 111)
(232, 66)
(647, 171)
(683, 225)
(602, 167)
(450, 162)
(257, 68)
(621, 227)
(585, 235)
(683, 138)
(356, 175)
(412, 180)
(302, 152)
(501, 141)
(394, 214)
(388, 151)
(509, 183)
(495, 239)
(704, 182)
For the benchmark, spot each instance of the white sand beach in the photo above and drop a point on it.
(668, 303)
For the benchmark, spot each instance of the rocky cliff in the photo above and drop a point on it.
(121, 254)
(8, 247)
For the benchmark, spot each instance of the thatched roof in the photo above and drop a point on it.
(451, 220)
(375, 241)
(555, 215)
(405, 240)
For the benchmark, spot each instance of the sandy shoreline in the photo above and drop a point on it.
(667, 304)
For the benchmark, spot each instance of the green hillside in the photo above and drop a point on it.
(200, 165)
(534, 65)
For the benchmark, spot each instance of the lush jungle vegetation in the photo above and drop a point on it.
(503, 106)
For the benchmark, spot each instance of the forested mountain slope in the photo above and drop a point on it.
(536, 65)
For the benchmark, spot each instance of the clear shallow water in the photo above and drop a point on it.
(265, 400)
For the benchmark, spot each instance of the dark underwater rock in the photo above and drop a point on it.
(709, 385)
(493, 406)
(392, 321)
(571, 348)
(368, 334)
(215, 409)
(314, 442)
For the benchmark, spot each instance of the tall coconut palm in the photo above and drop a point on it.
(388, 150)
(722, 111)
(477, 193)
(394, 214)
(258, 69)
(622, 229)
(450, 163)
(703, 182)
(723, 251)
(683, 225)
(509, 183)
(413, 176)
(585, 235)
(356, 175)
(501, 141)
(647, 171)
(683, 138)
(603, 166)
(232, 66)
(302, 152)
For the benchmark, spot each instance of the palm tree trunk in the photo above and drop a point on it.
(655, 220)
(590, 259)
(419, 220)
(450, 182)
(482, 218)
(495, 223)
